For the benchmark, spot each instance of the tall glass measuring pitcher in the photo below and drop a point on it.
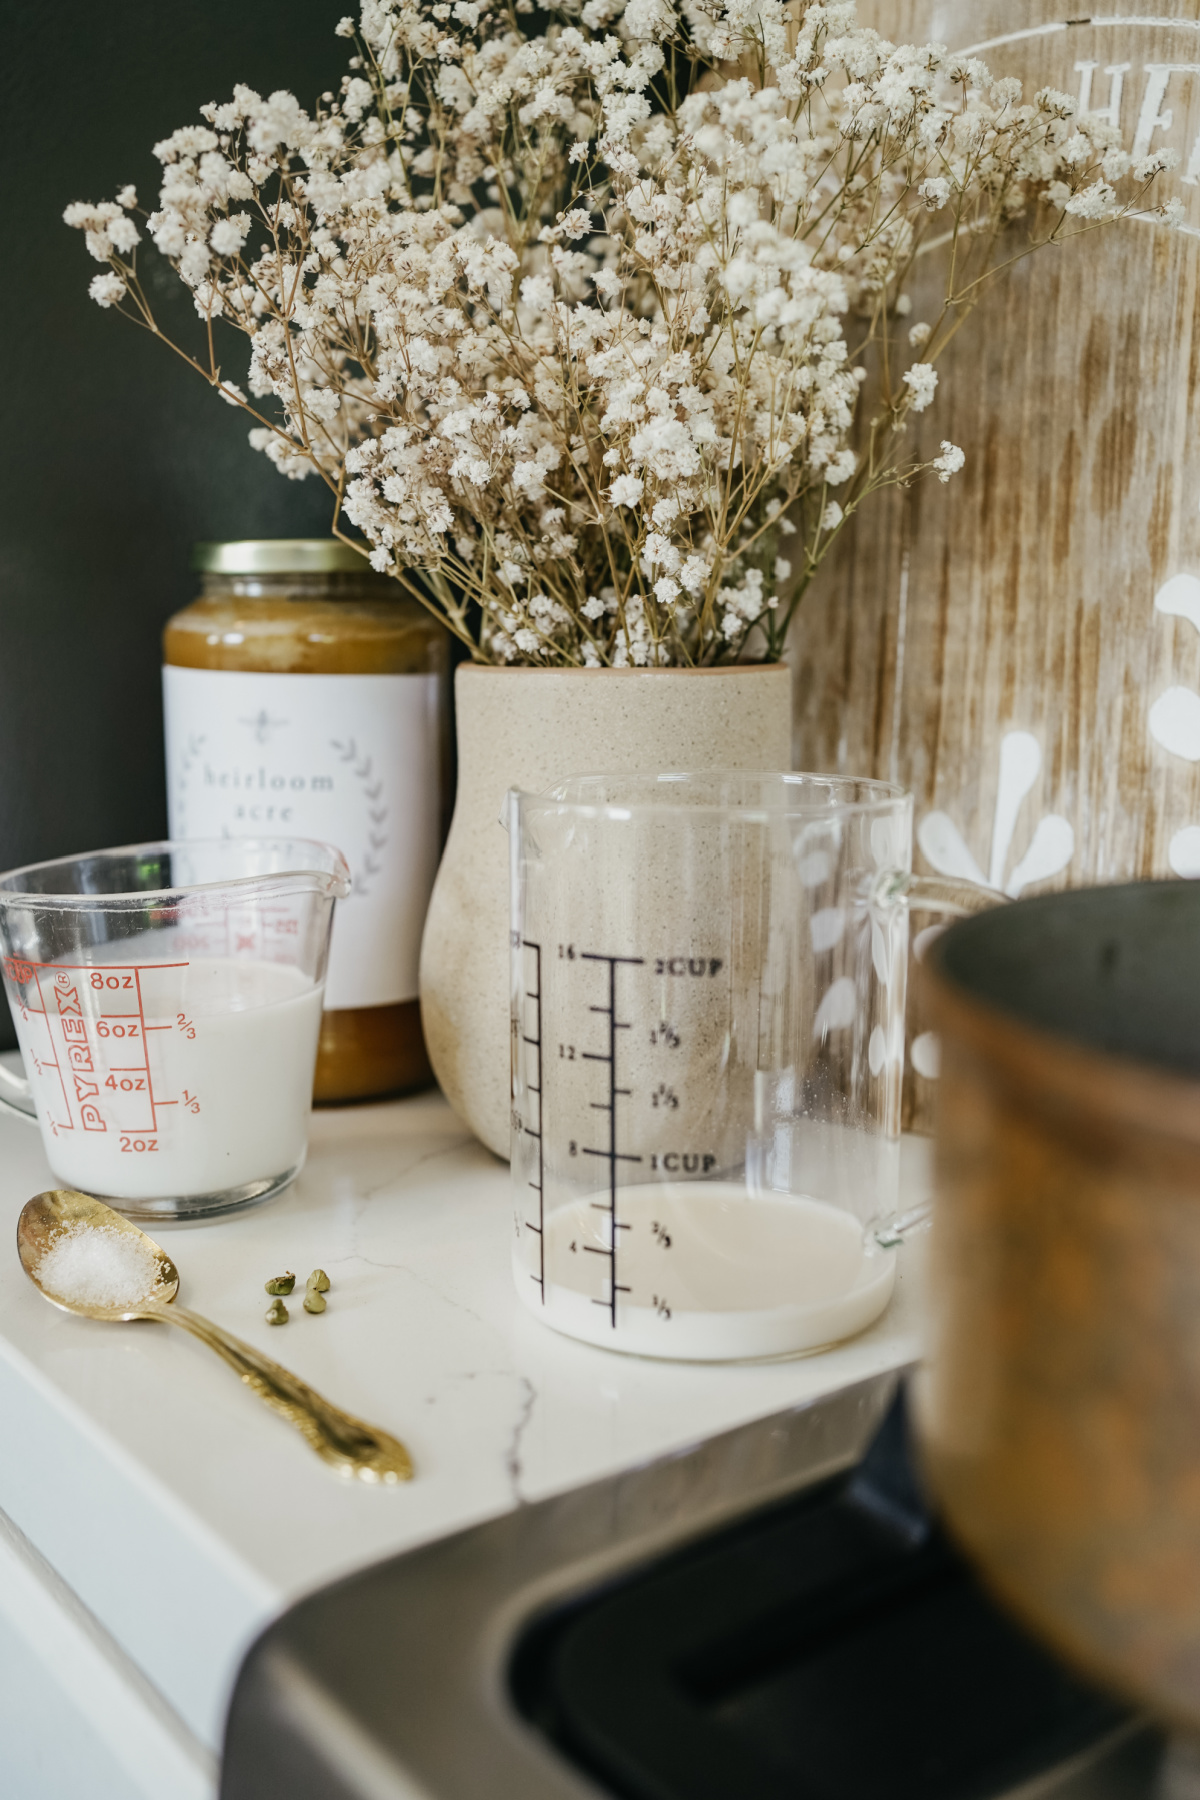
(708, 995)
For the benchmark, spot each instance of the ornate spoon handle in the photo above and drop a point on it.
(347, 1444)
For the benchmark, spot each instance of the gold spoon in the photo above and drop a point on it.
(345, 1443)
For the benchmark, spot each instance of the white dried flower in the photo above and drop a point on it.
(537, 291)
(1054, 101)
(122, 233)
(949, 462)
(694, 574)
(1094, 202)
(1155, 164)
(626, 490)
(106, 290)
(575, 223)
(921, 381)
(652, 19)
(228, 235)
(1077, 149)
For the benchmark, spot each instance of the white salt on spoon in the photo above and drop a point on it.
(99, 1266)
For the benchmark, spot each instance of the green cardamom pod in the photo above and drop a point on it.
(277, 1313)
(281, 1284)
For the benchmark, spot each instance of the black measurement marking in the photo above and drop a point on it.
(539, 1185)
(701, 966)
(612, 1155)
(602, 1206)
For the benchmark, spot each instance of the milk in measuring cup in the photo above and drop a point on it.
(161, 1079)
(706, 1271)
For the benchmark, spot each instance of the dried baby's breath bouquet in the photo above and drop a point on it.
(575, 325)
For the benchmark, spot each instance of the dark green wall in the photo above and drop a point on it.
(116, 458)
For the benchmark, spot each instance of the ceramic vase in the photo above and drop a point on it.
(528, 728)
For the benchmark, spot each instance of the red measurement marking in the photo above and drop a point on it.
(145, 1047)
(111, 969)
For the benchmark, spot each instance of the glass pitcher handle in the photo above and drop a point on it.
(16, 1096)
(934, 893)
(953, 900)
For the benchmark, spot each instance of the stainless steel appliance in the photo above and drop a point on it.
(768, 1616)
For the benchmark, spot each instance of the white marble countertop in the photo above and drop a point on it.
(184, 1515)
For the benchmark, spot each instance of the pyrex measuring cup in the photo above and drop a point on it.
(708, 992)
(167, 999)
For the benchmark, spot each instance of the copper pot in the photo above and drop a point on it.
(1060, 1407)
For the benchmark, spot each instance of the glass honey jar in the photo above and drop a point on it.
(303, 694)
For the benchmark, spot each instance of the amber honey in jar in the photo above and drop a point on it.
(304, 694)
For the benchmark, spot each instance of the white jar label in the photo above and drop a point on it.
(349, 759)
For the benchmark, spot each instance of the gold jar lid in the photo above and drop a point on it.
(279, 556)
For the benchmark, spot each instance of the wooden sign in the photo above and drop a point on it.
(1022, 646)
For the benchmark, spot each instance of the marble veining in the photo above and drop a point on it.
(424, 1333)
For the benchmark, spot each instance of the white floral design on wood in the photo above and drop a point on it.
(1050, 849)
(1175, 718)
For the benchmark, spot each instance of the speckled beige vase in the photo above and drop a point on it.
(527, 728)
